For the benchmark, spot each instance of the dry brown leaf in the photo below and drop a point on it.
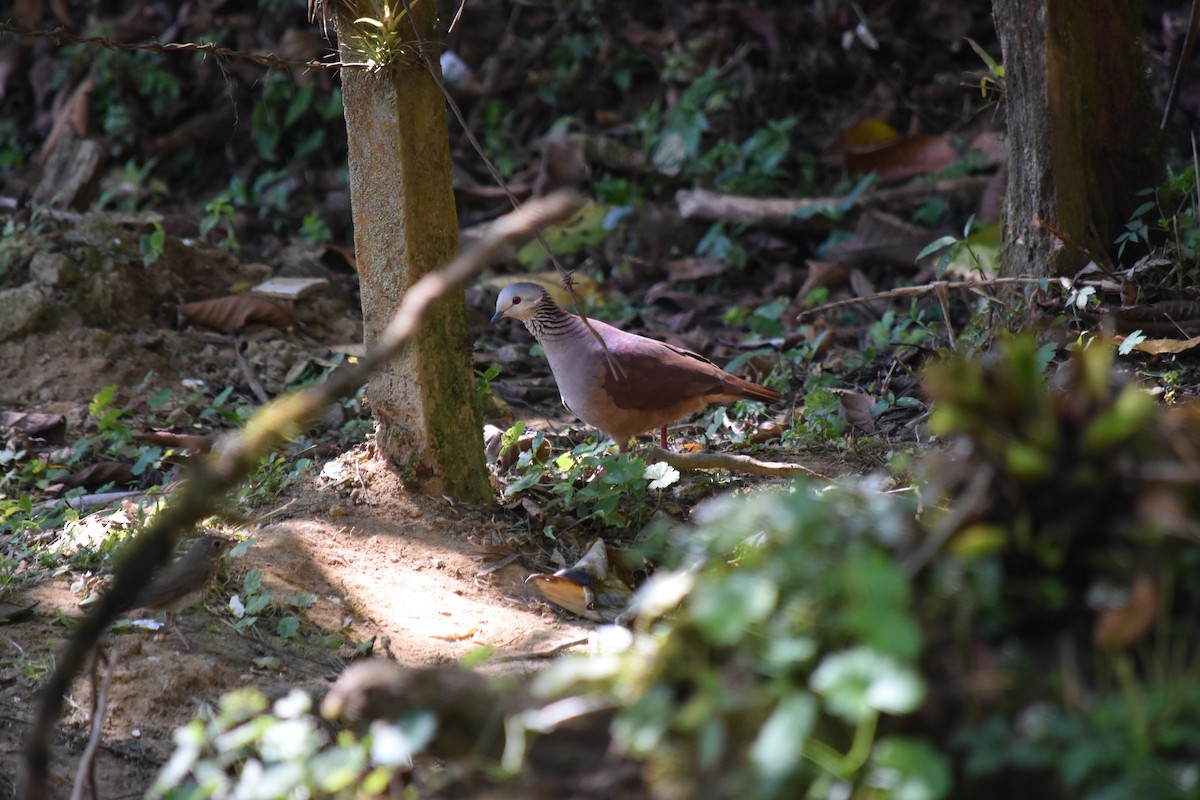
(879, 236)
(457, 637)
(1121, 627)
(691, 269)
(905, 158)
(830, 274)
(231, 314)
(46, 426)
(1170, 317)
(765, 432)
(1158, 347)
(97, 475)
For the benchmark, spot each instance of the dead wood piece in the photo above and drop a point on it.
(742, 465)
(231, 314)
(806, 213)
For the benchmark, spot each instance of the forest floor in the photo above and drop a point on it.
(382, 569)
(877, 133)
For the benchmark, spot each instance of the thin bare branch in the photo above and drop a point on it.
(936, 288)
(61, 35)
(743, 465)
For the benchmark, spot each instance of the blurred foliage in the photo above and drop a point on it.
(767, 658)
(1070, 499)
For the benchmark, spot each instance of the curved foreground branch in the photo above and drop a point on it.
(237, 454)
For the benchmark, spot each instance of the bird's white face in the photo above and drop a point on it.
(517, 301)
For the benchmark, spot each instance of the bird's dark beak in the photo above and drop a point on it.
(499, 315)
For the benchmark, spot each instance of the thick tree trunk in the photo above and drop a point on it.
(1081, 130)
(405, 225)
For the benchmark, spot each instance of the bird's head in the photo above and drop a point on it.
(209, 548)
(519, 301)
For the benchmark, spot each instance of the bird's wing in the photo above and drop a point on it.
(659, 375)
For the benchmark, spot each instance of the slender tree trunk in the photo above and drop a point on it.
(405, 225)
(1081, 130)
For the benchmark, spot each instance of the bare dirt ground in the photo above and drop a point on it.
(424, 580)
(398, 567)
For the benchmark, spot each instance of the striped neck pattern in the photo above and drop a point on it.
(549, 320)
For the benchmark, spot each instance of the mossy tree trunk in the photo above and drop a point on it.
(405, 225)
(1081, 129)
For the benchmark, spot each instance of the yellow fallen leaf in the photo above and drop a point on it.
(1158, 347)
(456, 637)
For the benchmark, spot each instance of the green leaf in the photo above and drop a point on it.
(857, 683)
(268, 663)
(101, 400)
(935, 245)
(640, 727)
(330, 641)
(779, 747)
(530, 479)
(725, 608)
(1131, 341)
(909, 769)
(256, 603)
(252, 582)
(288, 627)
(337, 768)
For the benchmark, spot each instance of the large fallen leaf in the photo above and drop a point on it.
(97, 475)
(43, 426)
(231, 314)
(882, 237)
(905, 158)
(1170, 317)
(1158, 347)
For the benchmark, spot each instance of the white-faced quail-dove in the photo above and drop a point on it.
(657, 382)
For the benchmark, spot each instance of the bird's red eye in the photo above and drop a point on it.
(516, 301)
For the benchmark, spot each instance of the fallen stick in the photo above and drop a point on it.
(807, 213)
(743, 465)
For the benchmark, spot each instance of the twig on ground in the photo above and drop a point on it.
(937, 287)
(248, 372)
(551, 653)
(806, 213)
(743, 465)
